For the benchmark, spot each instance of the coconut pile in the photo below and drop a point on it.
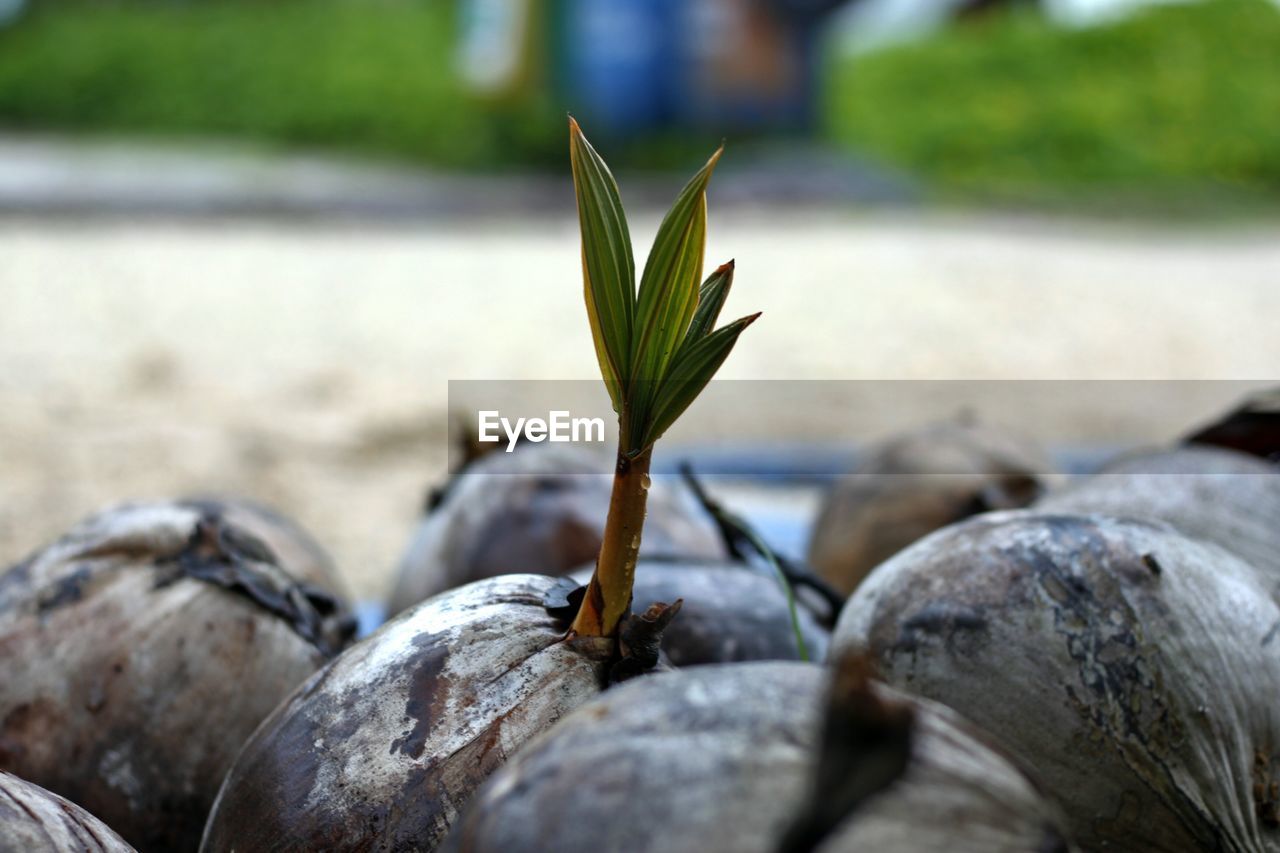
(975, 657)
(1019, 662)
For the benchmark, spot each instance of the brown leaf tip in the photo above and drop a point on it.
(660, 613)
(640, 639)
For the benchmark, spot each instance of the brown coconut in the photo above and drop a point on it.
(915, 483)
(1134, 668)
(723, 758)
(32, 820)
(383, 747)
(543, 508)
(141, 650)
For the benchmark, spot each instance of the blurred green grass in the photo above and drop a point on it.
(370, 77)
(1178, 104)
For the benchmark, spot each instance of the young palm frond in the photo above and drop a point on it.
(657, 346)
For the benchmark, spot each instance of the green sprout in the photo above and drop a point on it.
(657, 347)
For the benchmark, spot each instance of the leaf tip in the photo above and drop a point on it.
(726, 268)
(715, 157)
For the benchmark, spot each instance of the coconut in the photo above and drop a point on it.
(542, 508)
(723, 758)
(730, 613)
(911, 485)
(32, 819)
(142, 649)
(381, 748)
(1131, 666)
(1221, 496)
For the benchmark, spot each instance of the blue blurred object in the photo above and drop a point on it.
(641, 65)
(369, 617)
(612, 61)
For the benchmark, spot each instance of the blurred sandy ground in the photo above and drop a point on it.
(307, 364)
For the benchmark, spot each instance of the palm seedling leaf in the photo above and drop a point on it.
(689, 375)
(608, 268)
(711, 298)
(658, 347)
(669, 287)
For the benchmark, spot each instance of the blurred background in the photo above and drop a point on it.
(246, 244)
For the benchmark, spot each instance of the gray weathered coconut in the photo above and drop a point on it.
(141, 650)
(730, 613)
(911, 485)
(1221, 496)
(541, 508)
(32, 820)
(1131, 666)
(721, 758)
(379, 750)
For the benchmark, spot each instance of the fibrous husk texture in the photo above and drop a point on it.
(379, 750)
(721, 758)
(32, 819)
(1132, 667)
(142, 649)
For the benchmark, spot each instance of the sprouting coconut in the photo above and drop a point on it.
(143, 647)
(32, 820)
(383, 747)
(1221, 496)
(730, 613)
(543, 508)
(742, 757)
(911, 485)
(1132, 667)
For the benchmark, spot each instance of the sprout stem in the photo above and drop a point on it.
(608, 598)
